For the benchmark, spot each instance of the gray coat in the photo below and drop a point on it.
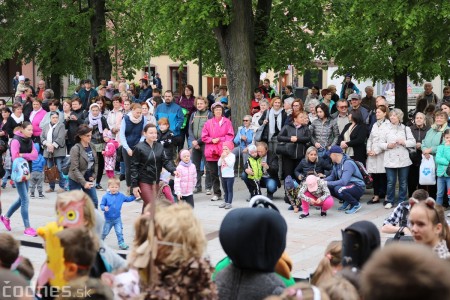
(326, 134)
(79, 163)
(58, 140)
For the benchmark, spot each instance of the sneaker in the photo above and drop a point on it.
(6, 222)
(354, 209)
(50, 191)
(270, 196)
(228, 206)
(216, 198)
(41, 196)
(222, 205)
(4, 186)
(302, 216)
(448, 215)
(30, 232)
(208, 192)
(323, 213)
(99, 187)
(13, 185)
(32, 196)
(344, 206)
(197, 190)
(290, 207)
(388, 205)
(123, 246)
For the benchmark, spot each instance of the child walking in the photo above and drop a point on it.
(37, 174)
(442, 161)
(253, 168)
(7, 165)
(112, 205)
(226, 167)
(185, 183)
(110, 153)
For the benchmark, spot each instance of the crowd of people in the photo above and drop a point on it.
(326, 149)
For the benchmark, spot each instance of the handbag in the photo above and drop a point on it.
(411, 150)
(286, 149)
(51, 174)
(261, 132)
(448, 170)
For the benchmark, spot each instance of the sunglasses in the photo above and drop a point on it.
(343, 106)
(245, 120)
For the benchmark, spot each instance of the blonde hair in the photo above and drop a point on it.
(113, 180)
(332, 258)
(64, 199)
(339, 288)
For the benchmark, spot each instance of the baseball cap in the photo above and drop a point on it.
(224, 100)
(335, 149)
(353, 96)
(311, 183)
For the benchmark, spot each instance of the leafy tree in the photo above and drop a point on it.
(389, 40)
(238, 37)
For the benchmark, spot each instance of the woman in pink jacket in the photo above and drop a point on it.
(216, 131)
(36, 116)
(185, 183)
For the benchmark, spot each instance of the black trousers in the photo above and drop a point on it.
(379, 185)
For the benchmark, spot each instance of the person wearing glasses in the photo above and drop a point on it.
(243, 138)
(326, 94)
(428, 226)
(355, 102)
(40, 90)
(341, 116)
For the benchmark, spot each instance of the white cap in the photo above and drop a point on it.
(21, 78)
(110, 82)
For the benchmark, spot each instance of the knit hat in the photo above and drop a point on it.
(251, 148)
(184, 152)
(94, 104)
(107, 134)
(21, 78)
(229, 144)
(216, 104)
(289, 183)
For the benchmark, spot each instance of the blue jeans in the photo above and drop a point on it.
(117, 224)
(22, 202)
(392, 174)
(227, 185)
(266, 182)
(442, 183)
(58, 162)
(92, 192)
(5, 178)
(350, 193)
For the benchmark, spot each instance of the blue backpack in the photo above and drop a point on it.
(20, 170)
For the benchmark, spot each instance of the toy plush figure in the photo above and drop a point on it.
(53, 270)
(124, 285)
(71, 214)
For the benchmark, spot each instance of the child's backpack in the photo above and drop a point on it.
(368, 180)
(65, 166)
(20, 170)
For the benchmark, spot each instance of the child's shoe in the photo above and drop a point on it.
(41, 196)
(6, 222)
(32, 196)
(123, 246)
(302, 216)
(30, 232)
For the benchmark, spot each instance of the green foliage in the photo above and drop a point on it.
(379, 41)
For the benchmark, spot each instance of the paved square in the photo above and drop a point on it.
(306, 238)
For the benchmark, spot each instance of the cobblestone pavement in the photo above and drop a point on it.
(306, 238)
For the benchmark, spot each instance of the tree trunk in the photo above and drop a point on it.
(236, 44)
(100, 58)
(401, 91)
(55, 85)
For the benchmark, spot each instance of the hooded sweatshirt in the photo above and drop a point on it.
(39, 163)
(262, 233)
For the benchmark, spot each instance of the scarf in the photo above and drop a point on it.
(18, 120)
(50, 133)
(272, 114)
(380, 122)
(133, 119)
(187, 165)
(96, 121)
(34, 113)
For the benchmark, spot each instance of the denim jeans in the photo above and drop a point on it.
(22, 202)
(442, 183)
(227, 185)
(392, 174)
(92, 192)
(58, 161)
(5, 178)
(265, 182)
(350, 193)
(118, 227)
(198, 156)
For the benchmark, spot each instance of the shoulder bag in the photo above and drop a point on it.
(259, 133)
(51, 174)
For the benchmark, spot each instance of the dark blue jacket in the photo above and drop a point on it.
(145, 94)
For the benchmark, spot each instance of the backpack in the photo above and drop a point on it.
(65, 166)
(20, 170)
(368, 180)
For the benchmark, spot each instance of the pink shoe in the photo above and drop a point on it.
(30, 232)
(6, 222)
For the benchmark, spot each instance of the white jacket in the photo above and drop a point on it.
(398, 157)
(375, 164)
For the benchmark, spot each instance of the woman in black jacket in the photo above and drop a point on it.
(296, 136)
(353, 137)
(146, 163)
(312, 164)
(14, 120)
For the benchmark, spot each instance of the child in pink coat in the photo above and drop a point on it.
(110, 153)
(185, 183)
